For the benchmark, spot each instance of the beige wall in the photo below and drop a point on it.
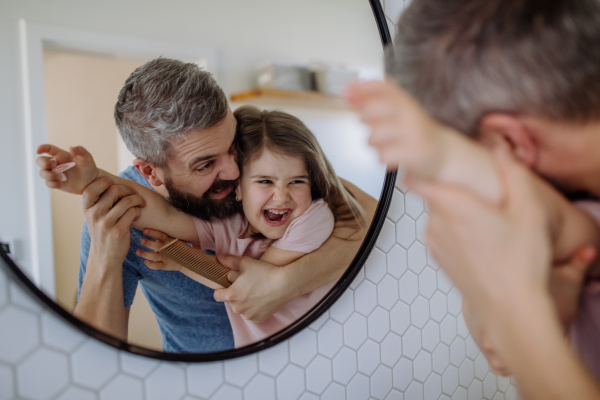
(81, 91)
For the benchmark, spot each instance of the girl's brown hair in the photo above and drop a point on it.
(285, 134)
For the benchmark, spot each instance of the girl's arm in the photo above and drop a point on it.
(280, 257)
(158, 214)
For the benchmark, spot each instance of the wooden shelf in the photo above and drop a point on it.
(290, 98)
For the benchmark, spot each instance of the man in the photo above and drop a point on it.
(175, 119)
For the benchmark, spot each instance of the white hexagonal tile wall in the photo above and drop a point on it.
(203, 379)
(274, 359)
(391, 349)
(430, 335)
(123, 387)
(358, 388)
(411, 342)
(400, 318)
(290, 383)
(137, 366)
(239, 371)
(365, 298)
(378, 324)
(75, 393)
(56, 333)
(7, 389)
(19, 334)
(413, 204)
(396, 206)
(345, 366)
(408, 287)
(343, 308)
(387, 238)
(334, 391)
(303, 347)
(419, 312)
(417, 257)
(368, 357)
(406, 232)
(93, 364)
(422, 366)
(167, 382)
(43, 374)
(381, 382)
(261, 387)
(433, 387)
(387, 292)
(329, 338)
(397, 261)
(318, 374)
(355, 331)
(427, 283)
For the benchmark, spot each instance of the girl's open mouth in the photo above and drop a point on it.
(275, 217)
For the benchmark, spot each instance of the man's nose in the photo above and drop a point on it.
(229, 169)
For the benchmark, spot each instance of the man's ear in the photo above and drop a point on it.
(509, 131)
(148, 171)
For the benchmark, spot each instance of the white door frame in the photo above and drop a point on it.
(33, 38)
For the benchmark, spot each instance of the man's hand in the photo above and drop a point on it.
(253, 293)
(78, 177)
(109, 212)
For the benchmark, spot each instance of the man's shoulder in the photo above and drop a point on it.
(132, 174)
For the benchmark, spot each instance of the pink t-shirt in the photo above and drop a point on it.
(304, 234)
(584, 332)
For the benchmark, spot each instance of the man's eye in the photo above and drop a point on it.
(205, 166)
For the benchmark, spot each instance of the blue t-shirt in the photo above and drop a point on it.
(189, 318)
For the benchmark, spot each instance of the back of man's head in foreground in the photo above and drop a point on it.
(463, 59)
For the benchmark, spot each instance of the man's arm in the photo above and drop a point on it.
(101, 302)
(262, 288)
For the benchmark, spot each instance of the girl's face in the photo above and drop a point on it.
(274, 190)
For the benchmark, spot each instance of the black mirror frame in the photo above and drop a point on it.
(365, 249)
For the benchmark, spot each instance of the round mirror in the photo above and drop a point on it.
(288, 59)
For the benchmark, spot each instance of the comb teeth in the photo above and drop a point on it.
(193, 260)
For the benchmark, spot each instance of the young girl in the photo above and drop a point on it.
(290, 197)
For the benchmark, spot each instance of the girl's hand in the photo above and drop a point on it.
(402, 132)
(155, 260)
(78, 177)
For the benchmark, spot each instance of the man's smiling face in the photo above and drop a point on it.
(201, 172)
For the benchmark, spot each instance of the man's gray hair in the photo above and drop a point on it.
(463, 59)
(163, 100)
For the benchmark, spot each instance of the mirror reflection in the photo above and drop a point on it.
(257, 155)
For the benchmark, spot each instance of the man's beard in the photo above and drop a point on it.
(204, 207)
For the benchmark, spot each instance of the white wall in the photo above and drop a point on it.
(396, 333)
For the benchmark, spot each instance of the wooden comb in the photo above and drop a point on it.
(197, 262)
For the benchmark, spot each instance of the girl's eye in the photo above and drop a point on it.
(265, 181)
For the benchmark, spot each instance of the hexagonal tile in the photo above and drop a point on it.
(400, 185)
(355, 331)
(344, 366)
(497, 396)
(22, 299)
(417, 258)
(387, 237)
(441, 358)
(167, 382)
(330, 338)
(308, 396)
(489, 385)
(261, 387)
(94, 364)
(408, 287)
(421, 225)
(403, 373)
(290, 383)
(56, 333)
(448, 329)
(411, 342)
(43, 375)
(444, 283)
(376, 266)
(400, 318)
(454, 302)
(7, 390)
(334, 392)
(437, 306)
(19, 334)
(466, 373)
(123, 387)
(396, 206)
(318, 374)
(430, 335)
(368, 357)
(414, 391)
(457, 351)
(378, 324)
(381, 382)
(365, 298)
(460, 394)
(422, 366)
(274, 359)
(319, 322)
(239, 371)
(414, 205)
(481, 367)
(75, 393)
(228, 392)
(391, 349)
(419, 312)
(203, 379)
(3, 290)
(395, 395)
(397, 261)
(461, 327)
(503, 383)
(431, 261)
(137, 365)
(475, 390)
(360, 276)
(433, 387)
(427, 283)
(358, 388)
(343, 308)
(511, 393)
(303, 347)
(406, 232)
(450, 380)
(387, 292)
